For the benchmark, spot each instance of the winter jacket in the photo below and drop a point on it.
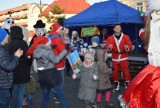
(60, 47)
(104, 71)
(7, 64)
(46, 58)
(88, 86)
(22, 71)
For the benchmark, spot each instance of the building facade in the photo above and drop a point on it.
(140, 5)
(28, 14)
(25, 15)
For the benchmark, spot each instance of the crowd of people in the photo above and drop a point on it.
(46, 56)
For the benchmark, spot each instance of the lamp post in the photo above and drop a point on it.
(40, 6)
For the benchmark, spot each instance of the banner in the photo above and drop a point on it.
(90, 31)
(74, 61)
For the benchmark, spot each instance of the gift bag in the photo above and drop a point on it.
(49, 78)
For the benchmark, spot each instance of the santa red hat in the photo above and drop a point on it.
(40, 40)
(55, 29)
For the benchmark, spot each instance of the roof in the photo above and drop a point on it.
(69, 6)
(105, 13)
(23, 7)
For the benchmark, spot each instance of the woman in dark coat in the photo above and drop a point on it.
(21, 74)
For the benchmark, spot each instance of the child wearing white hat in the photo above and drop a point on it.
(88, 80)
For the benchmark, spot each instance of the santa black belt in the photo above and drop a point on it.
(119, 53)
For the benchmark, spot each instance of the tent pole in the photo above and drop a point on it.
(136, 39)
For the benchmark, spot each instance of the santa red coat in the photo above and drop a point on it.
(60, 47)
(118, 51)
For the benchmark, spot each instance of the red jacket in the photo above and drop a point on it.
(118, 51)
(60, 47)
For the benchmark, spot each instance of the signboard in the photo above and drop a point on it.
(90, 31)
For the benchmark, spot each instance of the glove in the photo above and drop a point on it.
(54, 46)
(110, 47)
(95, 77)
(74, 76)
(126, 48)
(67, 47)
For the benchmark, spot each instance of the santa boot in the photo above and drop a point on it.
(117, 86)
(126, 84)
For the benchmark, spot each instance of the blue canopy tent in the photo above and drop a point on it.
(104, 13)
(109, 13)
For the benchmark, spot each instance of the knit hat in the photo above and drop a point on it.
(16, 32)
(55, 29)
(39, 24)
(153, 5)
(89, 55)
(96, 39)
(3, 34)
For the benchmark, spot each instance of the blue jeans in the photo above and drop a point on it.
(4, 98)
(45, 97)
(17, 93)
(62, 78)
(59, 93)
(29, 98)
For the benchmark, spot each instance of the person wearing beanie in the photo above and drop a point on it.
(95, 45)
(21, 75)
(119, 45)
(7, 63)
(144, 89)
(55, 36)
(95, 41)
(88, 80)
(104, 83)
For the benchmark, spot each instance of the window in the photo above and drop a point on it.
(140, 6)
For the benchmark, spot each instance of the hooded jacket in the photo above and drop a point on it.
(22, 71)
(46, 58)
(104, 71)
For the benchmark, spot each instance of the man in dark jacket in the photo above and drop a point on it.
(22, 71)
(7, 64)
